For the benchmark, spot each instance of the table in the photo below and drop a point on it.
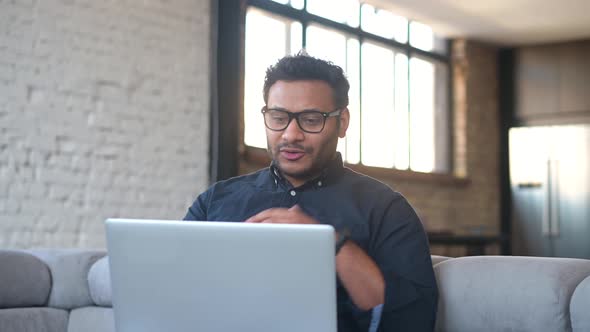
(475, 244)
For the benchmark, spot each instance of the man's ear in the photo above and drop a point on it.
(344, 120)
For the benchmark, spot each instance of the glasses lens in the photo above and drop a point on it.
(276, 120)
(311, 121)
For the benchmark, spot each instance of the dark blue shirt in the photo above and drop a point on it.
(379, 219)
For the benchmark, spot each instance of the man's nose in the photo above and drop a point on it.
(293, 132)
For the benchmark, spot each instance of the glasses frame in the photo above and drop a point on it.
(296, 115)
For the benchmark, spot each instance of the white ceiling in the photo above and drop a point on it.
(505, 22)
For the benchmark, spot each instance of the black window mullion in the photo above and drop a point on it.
(361, 41)
(395, 69)
(450, 103)
(304, 25)
(409, 96)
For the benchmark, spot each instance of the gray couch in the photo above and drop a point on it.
(69, 290)
(55, 291)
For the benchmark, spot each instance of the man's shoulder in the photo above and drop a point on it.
(369, 189)
(254, 179)
(365, 182)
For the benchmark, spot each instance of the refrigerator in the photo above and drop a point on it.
(550, 190)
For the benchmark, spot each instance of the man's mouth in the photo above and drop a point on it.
(292, 154)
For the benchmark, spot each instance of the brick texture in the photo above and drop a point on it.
(104, 112)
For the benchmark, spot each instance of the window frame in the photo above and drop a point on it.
(306, 18)
(259, 156)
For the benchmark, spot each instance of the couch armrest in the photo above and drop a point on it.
(24, 280)
(580, 307)
(69, 272)
(506, 293)
(438, 259)
(99, 282)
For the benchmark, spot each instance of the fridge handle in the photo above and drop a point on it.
(554, 225)
(547, 204)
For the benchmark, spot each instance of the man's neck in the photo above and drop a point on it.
(300, 181)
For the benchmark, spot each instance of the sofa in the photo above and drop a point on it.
(69, 290)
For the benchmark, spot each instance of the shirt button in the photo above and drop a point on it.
(293, 193)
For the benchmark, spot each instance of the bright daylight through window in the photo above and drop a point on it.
(398, 71)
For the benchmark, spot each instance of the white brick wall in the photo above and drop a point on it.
(104, 112)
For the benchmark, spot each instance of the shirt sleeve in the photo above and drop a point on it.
(400, 249)
(198, 210)
(375, 318)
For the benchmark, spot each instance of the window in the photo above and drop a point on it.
(286, 39)
(398, 71)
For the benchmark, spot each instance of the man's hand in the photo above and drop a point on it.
(358, 272)
(293, 215)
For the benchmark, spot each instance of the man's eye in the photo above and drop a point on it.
(312, 121)
(279, 118)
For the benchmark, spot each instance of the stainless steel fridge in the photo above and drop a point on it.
(550, 185)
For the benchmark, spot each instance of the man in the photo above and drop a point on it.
(385, 276)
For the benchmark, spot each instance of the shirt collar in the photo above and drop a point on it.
(328, 174)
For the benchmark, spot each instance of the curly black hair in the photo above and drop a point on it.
(305, 67)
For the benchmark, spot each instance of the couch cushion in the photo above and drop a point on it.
(33, 320)
(69, 273)
(494, 293)
(24, 280)
(99, 282)
(91, 319)
(580, 307)
(437, 259)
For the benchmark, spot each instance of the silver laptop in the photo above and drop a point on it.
(221, 276)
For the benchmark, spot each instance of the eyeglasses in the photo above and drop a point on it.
(312, 122)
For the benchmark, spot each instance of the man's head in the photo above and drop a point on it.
(303, 67)
(299, 84)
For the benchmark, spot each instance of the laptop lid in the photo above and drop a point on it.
(221, 276)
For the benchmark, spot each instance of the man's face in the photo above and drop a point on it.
(299, 155)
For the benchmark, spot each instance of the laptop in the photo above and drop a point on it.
(221, 276)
